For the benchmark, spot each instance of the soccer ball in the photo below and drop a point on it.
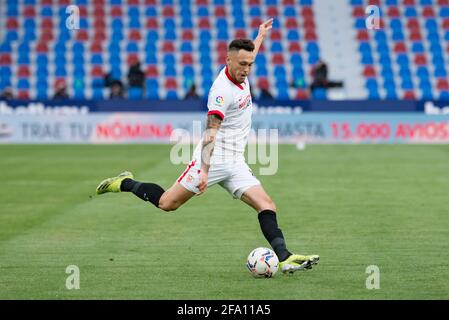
(262, 263)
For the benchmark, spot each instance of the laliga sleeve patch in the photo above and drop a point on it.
(219, 101)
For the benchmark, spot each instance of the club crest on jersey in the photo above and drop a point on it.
(219, 100)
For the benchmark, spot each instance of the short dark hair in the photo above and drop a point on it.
(238, 44)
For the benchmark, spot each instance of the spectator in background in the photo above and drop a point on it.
(117, 91)
(265, 94)
(320, 80)
(136, 77)
(192, 94)
(61, 91)
(7, 94)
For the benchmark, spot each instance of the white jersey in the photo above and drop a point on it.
(232, 102)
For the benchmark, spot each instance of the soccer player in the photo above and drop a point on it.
(219, 158)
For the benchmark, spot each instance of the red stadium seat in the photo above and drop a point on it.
(272, 12)
(443, 84)
(278, 58)
(374, 2)
(409, 2)
(187, 35)
(363, 35)
(133, 2)
(29, 12)
(99, 35)
(393, 12)
(221, 58)
(409, 95)
(5, 59)
(48, 2)
(170, 83)
(291, 23)
(369, 72)
(358, 12)
(294, 47)
(152, 23)
(152, 71)
(240, 33)
(132, 58)
(202, 2)
(96, 47)
(420, 59)
(400, 47)
(256, 22)
(309, 25)
(134, 35)
(310, 36)
(262, 83)
(187, 59)
(41, 47)
(415, 36)
(254, 2)
(46, 35)
(302, 95)
(428, 12)
(288, 2)
(82, 35)
(168, 11)
(204, 23)
(168, 46)
(97, 71)
(116, 11)
(220, 11)
(307, 12)
(23, 71)
(12, 23)
(23, 95)
(413, 24)
(275, 35)
(222, 46)
(443, 2)
(445, 24)
(150, 2)
(47, 23)
(99, 24)
(83, 11)
(63, 2)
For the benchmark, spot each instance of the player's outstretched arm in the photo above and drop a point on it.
(263, 29)
(213, 124)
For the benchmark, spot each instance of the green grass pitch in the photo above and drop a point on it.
(355, 206)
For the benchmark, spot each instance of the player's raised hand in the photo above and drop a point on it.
(265, 27)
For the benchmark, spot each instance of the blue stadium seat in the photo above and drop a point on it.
(276, 47)
(170, 71)
(171, 95)
(319, 94)
(135, 93)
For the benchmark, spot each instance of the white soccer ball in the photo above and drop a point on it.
(262, 263)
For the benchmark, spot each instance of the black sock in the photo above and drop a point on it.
(145, 191)
(273, 234)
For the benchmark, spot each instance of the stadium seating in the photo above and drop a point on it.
(178, 43)
(407, 57)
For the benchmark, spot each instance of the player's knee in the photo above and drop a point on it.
(168, 206)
